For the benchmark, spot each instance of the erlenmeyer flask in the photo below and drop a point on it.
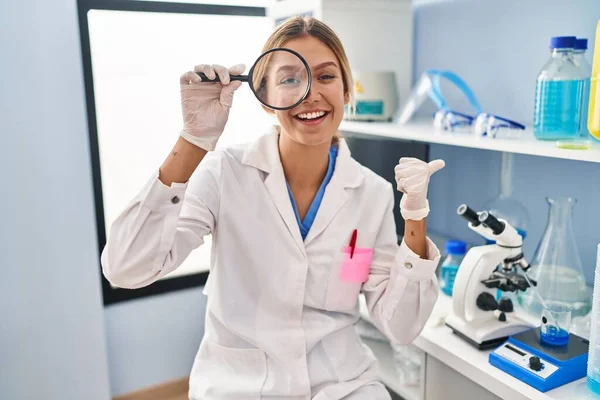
(556, 265)
(505, 206)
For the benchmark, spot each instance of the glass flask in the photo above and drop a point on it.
(556, 265)
(506, 206)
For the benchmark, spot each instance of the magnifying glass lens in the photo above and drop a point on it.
(280, 79)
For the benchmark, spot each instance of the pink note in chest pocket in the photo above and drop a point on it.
(356, 269)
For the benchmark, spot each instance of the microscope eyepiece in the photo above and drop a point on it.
(491, 222)
(469, 214)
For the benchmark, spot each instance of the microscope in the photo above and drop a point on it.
(477, 315)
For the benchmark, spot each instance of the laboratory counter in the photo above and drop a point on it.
(454, 369)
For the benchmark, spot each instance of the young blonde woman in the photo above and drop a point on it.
(282, 211)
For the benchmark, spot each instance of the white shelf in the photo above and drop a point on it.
(384, 353)
(425, 132)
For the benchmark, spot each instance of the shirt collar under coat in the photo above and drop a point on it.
(263, 154)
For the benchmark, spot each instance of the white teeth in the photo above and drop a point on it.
(312, 115)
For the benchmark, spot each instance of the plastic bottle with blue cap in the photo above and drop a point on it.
(557, 106)
(455, 250)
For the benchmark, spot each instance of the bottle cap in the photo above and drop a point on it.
(456, 247)
(562, 42)
(581, 44)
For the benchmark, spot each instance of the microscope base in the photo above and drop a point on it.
(488, 333)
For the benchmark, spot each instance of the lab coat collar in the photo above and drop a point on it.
(263, 154)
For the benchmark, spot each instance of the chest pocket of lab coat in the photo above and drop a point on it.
(348, 273)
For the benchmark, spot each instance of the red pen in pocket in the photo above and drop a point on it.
(353, 243)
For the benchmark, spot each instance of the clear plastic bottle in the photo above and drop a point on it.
(455, 250)
(557, 106)
(593, 366)
(581, 45)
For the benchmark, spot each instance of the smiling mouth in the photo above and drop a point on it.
(312, 117)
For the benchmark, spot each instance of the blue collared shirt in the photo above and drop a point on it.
(309, 218)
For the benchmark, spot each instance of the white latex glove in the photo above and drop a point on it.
(412, 178)
(205, 106)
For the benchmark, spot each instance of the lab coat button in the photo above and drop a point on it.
(175, 199)
(408, 265)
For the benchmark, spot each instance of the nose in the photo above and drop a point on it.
(314, 93)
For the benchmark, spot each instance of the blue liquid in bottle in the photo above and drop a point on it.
(558, 94)
(448, 275)
(585, 104)
(593, 385)
(456, 250)
(585, 70)
(557, 109)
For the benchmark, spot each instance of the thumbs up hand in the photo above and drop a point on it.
(412, 179)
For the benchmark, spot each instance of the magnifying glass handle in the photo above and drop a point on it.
(241, 78)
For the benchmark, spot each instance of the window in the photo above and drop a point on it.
(133, 54)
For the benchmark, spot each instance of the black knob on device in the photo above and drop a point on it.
(535, 363)
(502, 317)
(487, 302)
(491, 222)
(506, 305)
(469, 214)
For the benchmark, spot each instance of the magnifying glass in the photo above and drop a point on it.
(280, 78)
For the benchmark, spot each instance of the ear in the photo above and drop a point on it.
(346, 98)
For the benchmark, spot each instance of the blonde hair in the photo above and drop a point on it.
(296, 27)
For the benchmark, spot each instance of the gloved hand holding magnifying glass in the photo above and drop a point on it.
(280, 79)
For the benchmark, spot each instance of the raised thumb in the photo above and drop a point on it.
(435, 166)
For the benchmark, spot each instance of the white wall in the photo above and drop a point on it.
(52, 340)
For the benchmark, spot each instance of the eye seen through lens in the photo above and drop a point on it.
(280, 79)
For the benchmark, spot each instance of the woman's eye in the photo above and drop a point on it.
(289, 81)
(327, 76)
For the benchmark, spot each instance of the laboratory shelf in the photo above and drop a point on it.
(423, 131)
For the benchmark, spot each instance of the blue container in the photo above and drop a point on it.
(558, 94)
(585, 69)
(455, 250)
(555, 336)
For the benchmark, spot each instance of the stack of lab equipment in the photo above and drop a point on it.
(558, 93)
(455, 252)
(593, 367)
(556, 265)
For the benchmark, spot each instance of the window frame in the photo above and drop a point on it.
(110, 294)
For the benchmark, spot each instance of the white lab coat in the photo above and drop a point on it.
(279, 321)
